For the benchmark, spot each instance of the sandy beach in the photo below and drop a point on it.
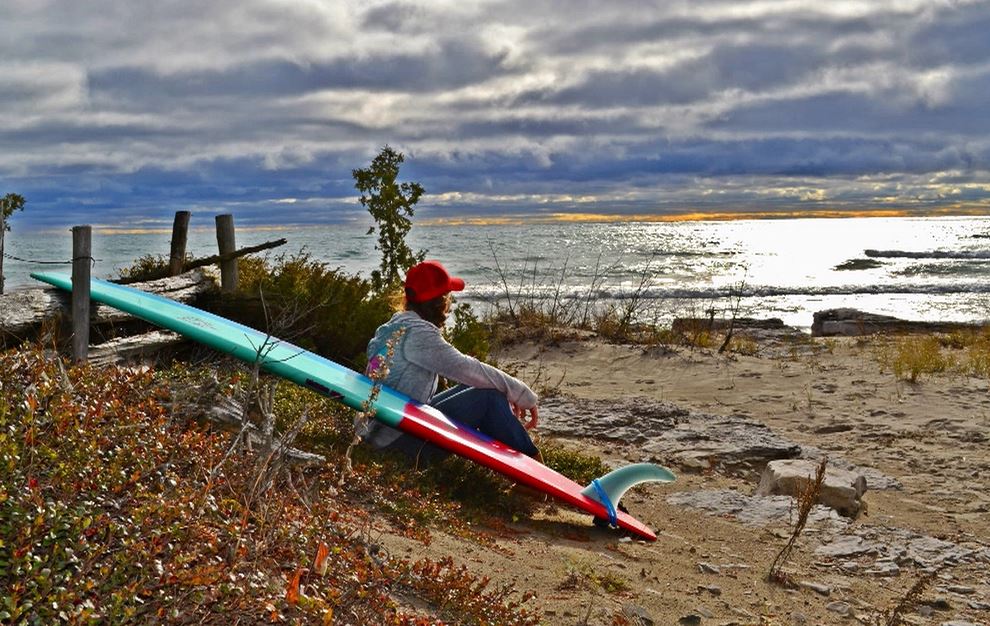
(922, 448)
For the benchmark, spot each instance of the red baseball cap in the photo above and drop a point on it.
(428, 280)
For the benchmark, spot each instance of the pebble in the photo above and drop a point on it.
(690, 620)
(961, 589)
(715, 590)
(884, 567)
(979, 606)
(708, 568)
(818, 588)
(956, 622)
(639, 614)
(939, 604)
(741, 612)
(842, 608)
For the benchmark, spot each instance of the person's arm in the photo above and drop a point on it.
(427, 348)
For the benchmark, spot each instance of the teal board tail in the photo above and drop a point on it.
(616, 483)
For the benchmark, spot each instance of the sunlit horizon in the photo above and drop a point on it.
(535, 219)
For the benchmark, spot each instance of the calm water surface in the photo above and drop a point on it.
(915, 268)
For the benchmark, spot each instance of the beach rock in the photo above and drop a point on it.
(937, 604)
(669, 434)
(755, 510)
(842, 608)
(882, 548)
(841, 490)
(637, 614)
(715, 590)
(742, 325)
(875, 479)
(846, 546)
(884, 567)
(853, 322)
(820, 589)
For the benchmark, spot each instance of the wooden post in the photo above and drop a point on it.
(226, 244)
(177, 256)
(82, 258)
(3, 228)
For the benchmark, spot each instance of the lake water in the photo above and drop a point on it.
(935, 269)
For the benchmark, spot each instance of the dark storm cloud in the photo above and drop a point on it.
(751, 68)
(125, 109)
(452, 64)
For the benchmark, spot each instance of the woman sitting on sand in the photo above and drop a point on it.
(415, 354)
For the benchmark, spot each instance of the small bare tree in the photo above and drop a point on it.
(806, 500)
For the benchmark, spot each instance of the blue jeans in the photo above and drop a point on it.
(485, 410)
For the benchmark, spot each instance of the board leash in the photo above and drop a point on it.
(613, 518)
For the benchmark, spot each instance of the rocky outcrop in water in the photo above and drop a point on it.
(849, 322)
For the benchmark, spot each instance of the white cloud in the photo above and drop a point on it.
(234, 99)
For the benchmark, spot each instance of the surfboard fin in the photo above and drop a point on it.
(617, 482)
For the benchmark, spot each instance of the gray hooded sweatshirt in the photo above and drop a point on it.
(419, 355)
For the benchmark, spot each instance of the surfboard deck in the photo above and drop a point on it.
(393, 408)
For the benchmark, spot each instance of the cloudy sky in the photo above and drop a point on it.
(118, 112)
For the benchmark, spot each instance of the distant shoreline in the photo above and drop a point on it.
(528, 219)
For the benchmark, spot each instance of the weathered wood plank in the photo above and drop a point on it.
(23, 311)
(124, 349)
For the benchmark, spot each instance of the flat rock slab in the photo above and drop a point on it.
(870, 547)
(873, 550)
(758, 511)
(669, 434)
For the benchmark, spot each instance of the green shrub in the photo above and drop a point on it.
(468, 334)
(112, 511)
(309, 303)
(580, 467)
(147, 267)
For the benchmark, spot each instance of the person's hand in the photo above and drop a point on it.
(534, 415)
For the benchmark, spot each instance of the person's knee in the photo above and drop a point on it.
(492, 397)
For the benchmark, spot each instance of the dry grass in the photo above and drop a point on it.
(894, 616)
(806, 500)
(913, 357)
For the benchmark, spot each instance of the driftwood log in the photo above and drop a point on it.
(24, 312)
(205, 402)
(211, 260)
(134, 347)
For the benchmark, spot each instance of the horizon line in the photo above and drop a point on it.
(580, 217)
